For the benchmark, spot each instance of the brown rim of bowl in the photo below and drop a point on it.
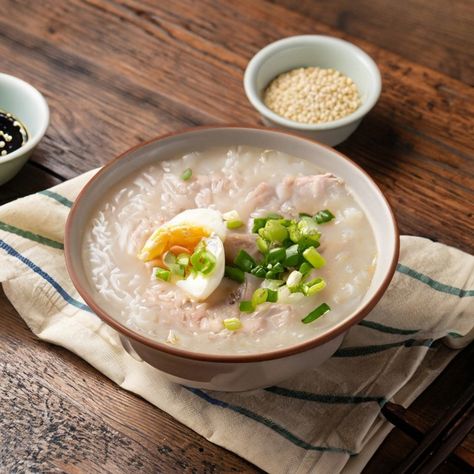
(277, 354)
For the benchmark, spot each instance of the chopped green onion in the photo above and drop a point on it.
(275, 232)
(259, 296)
(234, 273)
(272, 284)
(272, 275)
(262, 245)
(314, 286)
(308, 228)
(176, 269)
(203, 261)
(259, 271)
(303, 214)
(276, 267)
(187, 173)
(258, 223)
(232, 324)
(285, 222)
(161, 273)
(183, 259)
(231, 216)
(294, 233)
(276, 255)
(306, 242)
(234, 224)
(246, 306)
(314, 257)
(316, 313)
(292, 257)
(305, 268)
(272, 296)
(294, 279)
(244, 261)
(324, 216)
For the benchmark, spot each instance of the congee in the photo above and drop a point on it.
(230, 251)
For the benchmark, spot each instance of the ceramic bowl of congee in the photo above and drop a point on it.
(231, 258)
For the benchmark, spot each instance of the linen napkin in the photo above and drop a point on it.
(325, 420)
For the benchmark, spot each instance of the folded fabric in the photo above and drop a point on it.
(325, 420)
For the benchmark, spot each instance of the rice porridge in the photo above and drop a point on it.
(229, 251)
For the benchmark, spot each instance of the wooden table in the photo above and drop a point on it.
(119, 72)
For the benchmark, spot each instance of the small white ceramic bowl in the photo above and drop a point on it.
(29, 106)
(317, 51)
(234, 372)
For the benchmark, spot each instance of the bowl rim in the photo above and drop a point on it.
(262, 55)
(226, 358)
(40, 105)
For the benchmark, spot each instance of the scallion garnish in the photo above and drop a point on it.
(246, 306)
(232, 324)
(161, 273)
(314, 257)
(259, 296)
(183, 259)
(289, 254)
(232, 219)
(314, 286)
(316, 313)
(176, 269)
(272, 295)
(234, 224)
(187, 173)
(324, 216)
(234, 273)
(203, 261)
(259, 271)
(244, 261)
(292, 256)
(262, 245)
(272, 284)
(276, 255)
(305, 268)
(294, 279)
(258, 223)
(274, 231)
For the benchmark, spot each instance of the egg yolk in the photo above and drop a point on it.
(166, 237)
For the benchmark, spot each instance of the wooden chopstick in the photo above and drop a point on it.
(443, 437)
(449, 443)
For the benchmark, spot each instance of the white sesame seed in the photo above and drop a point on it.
(312, 95)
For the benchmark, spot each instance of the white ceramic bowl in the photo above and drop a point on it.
(235, 372)
(321, 51)
(28, 105)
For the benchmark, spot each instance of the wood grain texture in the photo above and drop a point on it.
(61, 415)
(436, 34)
(119, 72)
(143, 69)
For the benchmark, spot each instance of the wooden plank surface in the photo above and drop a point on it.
(119, 72)
(142, 74)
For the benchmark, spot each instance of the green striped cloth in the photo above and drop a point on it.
(326, 420)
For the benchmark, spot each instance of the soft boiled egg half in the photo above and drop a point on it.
(188, 251)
